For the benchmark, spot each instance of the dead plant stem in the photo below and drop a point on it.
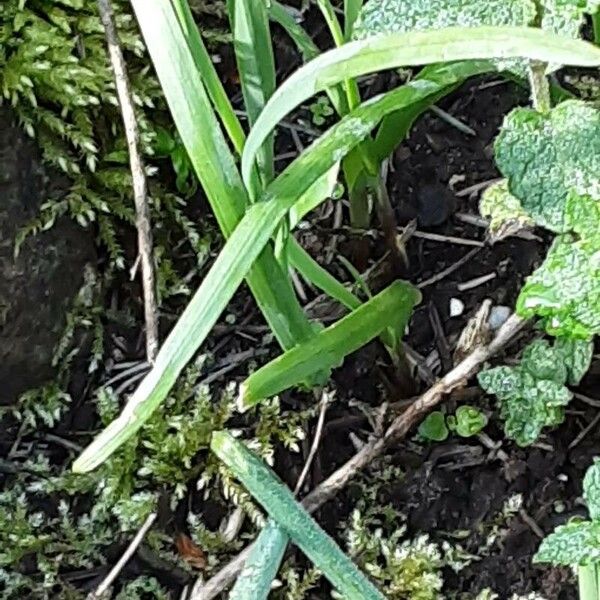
(140, 186)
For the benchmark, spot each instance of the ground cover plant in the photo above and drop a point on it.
(547, 156)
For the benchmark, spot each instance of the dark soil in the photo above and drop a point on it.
(450, 487)
(461, 485)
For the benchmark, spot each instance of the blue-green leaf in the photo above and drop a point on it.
(577, 356)
(591, 490)
(548, 156)
(576, 543)
(401, 16)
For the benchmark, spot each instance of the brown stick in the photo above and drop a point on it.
(399, 428)
(140, 187)
(101, 590)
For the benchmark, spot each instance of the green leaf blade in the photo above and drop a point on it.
(410, 49)
(256, 66)
(182, 65)
(433, 427)
(390, 308)
(591, 490)
(261, 566)
(189, 332)
(282, 507)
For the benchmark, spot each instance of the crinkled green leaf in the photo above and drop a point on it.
(547, 156)
(528, 403)
(467, 421)
(503, 382)
(576, 543)
(543, 362)
(504, 212)
(583, 216)
(539, 405)
(591, 490)
(566, 17)
(576, 355)
(399, 16)
(565, 290)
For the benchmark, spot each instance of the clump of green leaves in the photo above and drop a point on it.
(533, 395)
(467, 421)
(555, 178)
(55, 76)
(407, 569)
(577, 542)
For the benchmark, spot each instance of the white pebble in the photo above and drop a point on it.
(498, 316)
(457, 307)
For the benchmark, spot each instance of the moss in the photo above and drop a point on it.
(55, 75)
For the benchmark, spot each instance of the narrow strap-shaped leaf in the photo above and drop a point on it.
(395, 127)
(299, 259)
(239, 253)
(320, 191)
(304, 43)
(211, 80)
(351, 11)
(410, 49)
(261, 566)
(318, 276)
(289, 514)
(192, 327)
(256, 67)
(180, 60)
(390, 308)
(308, 49)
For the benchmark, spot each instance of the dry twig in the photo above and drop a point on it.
(373, 449)
(114, 572)
(140, 186)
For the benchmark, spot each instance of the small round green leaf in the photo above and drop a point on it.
(469, 421)
(434, 428)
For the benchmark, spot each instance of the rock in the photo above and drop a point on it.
(38, 286)
(435, 203)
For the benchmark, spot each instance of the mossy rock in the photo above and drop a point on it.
(38, 285)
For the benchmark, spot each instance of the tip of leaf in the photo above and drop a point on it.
(102, 447)
(244, 399)
(218, 440)
(84, 463)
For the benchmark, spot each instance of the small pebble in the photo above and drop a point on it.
(498, 316)
(457, 307)
(435, 203)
